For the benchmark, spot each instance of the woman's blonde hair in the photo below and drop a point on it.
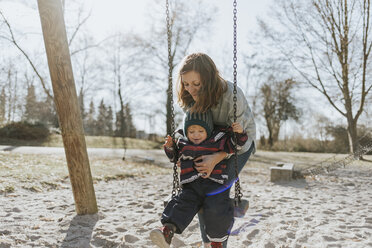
(212, 84)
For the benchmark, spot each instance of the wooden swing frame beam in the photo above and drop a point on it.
(66, 101)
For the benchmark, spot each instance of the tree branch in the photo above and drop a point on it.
(13, 40)
(80, 24)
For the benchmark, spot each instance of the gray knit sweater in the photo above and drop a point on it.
(223, 114)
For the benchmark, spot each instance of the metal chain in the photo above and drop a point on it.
(340, 163)
(318, 168)
(238, 194)
(176, 184)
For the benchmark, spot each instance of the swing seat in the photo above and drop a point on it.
(241, 208)
(166, 200)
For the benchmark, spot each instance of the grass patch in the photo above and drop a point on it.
(41, 172)
(118, 177)
(33, 188)
(7, 189)
(302, 160)
(55, 140)
(50, 185)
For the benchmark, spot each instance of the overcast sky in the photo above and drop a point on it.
(109, 16)
(128, 15)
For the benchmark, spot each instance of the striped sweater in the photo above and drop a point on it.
(220, 140)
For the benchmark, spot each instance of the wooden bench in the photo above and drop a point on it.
(281, 172)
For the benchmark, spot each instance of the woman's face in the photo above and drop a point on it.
(191, 82)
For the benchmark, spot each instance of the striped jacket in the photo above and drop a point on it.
(220, 140)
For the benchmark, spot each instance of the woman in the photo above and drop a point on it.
(200, 87)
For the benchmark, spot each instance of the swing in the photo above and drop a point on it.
(241, 205)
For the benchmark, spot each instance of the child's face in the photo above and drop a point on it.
(196, 134)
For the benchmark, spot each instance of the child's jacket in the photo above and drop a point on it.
(221, 139)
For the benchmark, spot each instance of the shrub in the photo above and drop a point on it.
(338, 144)
(24, 131)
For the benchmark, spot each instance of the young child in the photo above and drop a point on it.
(200, 190)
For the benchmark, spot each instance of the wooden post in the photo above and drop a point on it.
(65, 98)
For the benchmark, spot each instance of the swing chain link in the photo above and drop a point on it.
(238, 194)
(316, 169)
(176, 185)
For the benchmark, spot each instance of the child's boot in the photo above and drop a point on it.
(163, 237)
(207, 245)
(216, 245)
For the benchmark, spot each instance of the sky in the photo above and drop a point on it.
(126, 15)
(110, 16)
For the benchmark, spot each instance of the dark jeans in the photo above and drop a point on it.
(242, 160)
(218, 210)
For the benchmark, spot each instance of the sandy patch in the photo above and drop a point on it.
(331, 210)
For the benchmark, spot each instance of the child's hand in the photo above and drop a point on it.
(168, 142)
(237, 128)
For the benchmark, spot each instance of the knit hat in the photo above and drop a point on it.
(202, 119)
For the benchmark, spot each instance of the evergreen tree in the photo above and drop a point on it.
(130, 128)
(101, 119)
(124, 123)
(119, 126)
(90, 121)
(48, 113)
(81, 105)
(109, 122)
(32, 107)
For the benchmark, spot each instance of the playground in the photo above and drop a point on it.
(104, 199)
(38, 208)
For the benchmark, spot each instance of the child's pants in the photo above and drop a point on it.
(218, 210)
(242, 160)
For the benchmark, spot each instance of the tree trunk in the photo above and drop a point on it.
(123, 122)
(275, 135)
(67, 105)
(353, 137)
(270, 140)
(123, 132)
(275, 130)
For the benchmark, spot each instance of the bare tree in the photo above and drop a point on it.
(123, 65)
(77, 44)
(87, 72)
(320, 124)
(10, 93)
(278, 105)
(10, 36)
(328, 43)
(187, 20)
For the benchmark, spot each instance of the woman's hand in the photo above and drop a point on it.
(206, 163)
(237, 128)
